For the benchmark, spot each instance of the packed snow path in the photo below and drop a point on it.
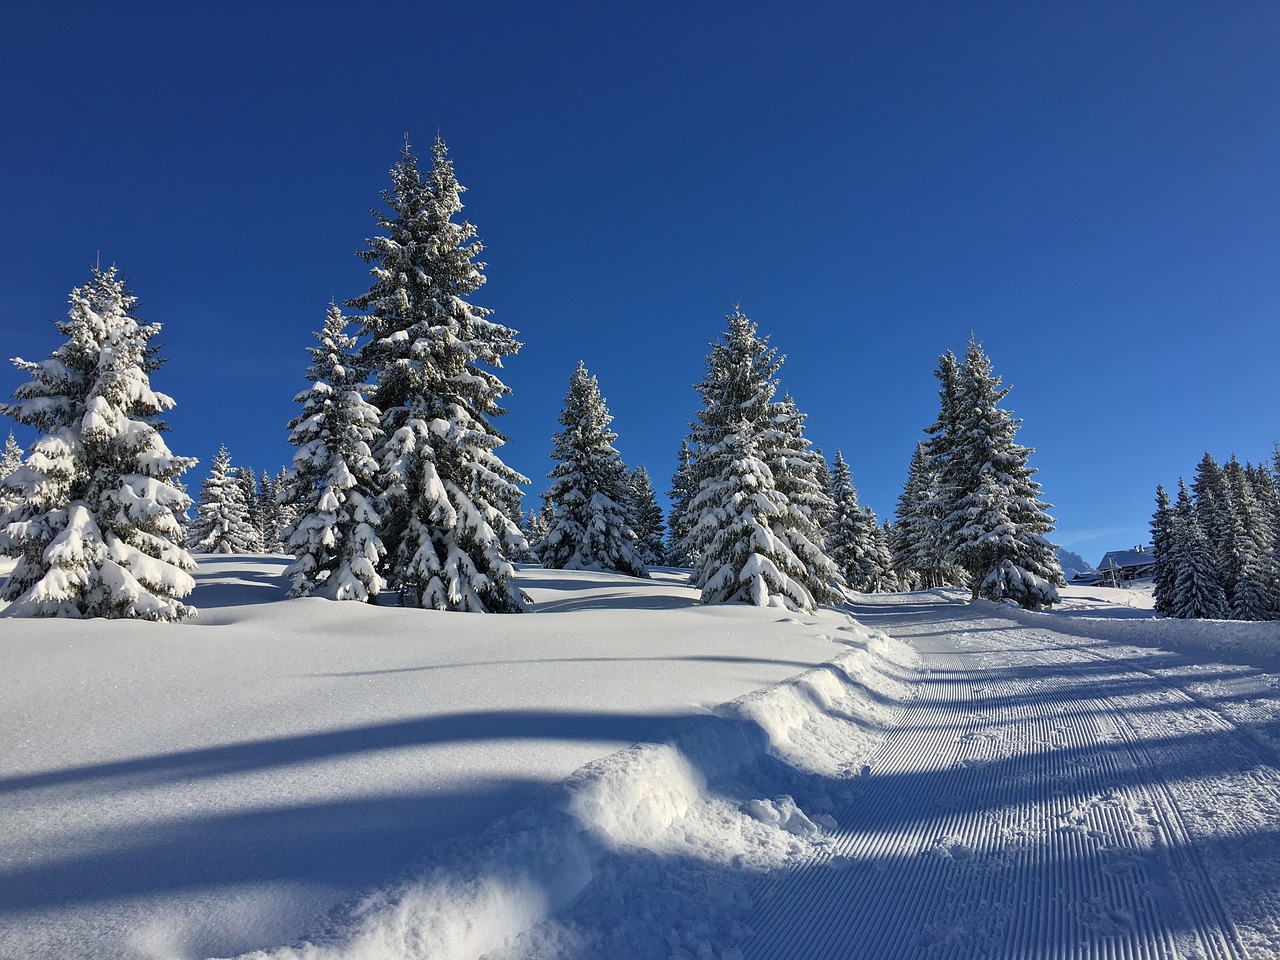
(1046, 795)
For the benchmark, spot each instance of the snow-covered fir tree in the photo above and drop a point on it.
(1254, 591)
(222, 523)
(855, 540)
(740, 432)
(253, 503)
(743, 550)
(285, 511)
(1165, 575)
(95, 529)
(334, 539)
(590, 492)
(10, 461)
(826, 512)
(683, 489)
(534, 528)
(997, 525)
(1197, 594)
(798, 470)
(1213, 515)
(651, 531)
(432, 354)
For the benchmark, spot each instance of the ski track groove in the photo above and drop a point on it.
(1056, 839)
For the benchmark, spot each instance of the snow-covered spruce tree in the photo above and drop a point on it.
(222, 523)
(1197, 594)
(282, 511)
(797, 469)
(826, 512)
(334, 539)
(96, 528)
(253, 505)
(997, 525)
(1213, 514)
(590, 492)
(855, 541)
(431, 354)
(1165, 575)
(1254, 593)
(918, 532)
(737, 394)
(534, 528)
(10, 461)
(741, 556)
(683, 489)
(647, 522)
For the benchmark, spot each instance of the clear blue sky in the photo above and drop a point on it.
(1093, 189)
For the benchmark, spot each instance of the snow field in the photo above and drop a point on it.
(653, 849)
(220, 785)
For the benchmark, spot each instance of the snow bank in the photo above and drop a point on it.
(652, 850)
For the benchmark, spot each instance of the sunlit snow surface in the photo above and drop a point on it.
(317, 779)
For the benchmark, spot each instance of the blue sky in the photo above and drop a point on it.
(1090, 188)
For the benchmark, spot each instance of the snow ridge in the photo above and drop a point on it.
(624, 837)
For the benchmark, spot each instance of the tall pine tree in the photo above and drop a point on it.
(334, 537)
(1164, 578)
(744, 441)
(432, 353)
(1197, 594)
(96, 529)
(997, 524)
(590, 493)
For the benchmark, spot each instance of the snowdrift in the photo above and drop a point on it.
(677, 831)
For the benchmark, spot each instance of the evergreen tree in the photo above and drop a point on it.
(432, 354)
(683, 489)
(798, 471)
(535, 526)
(739, 430)
(650, 530)
(1254, 594)
(741, 557)
(96, 528)
(825, 513)
(10, 461)
(1213, 514)
(1197, 593)
(283, 510)
(253, 505)
(590, 493)
(222, 523)
(334, 537)
(1164, 579)
(997, 522)
(855, 542)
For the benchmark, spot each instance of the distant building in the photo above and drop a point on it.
(1120, 566)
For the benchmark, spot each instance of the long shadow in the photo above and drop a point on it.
(247, 587)
(801, 664)
(347, 843)
(310, 747)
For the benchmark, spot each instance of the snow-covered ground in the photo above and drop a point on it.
(627, 773)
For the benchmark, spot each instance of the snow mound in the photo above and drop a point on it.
(678, 830)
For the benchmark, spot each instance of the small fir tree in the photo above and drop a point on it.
(856, 542)
(647, 519)
(683, 489)
(590, 493)
(222, 523)
(446, 495)
(10, 461)
(334, 537)
(95, 528)
(1197, 593)
(1165, 575)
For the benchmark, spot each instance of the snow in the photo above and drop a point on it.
(624, 772)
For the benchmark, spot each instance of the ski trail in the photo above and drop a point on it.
(1018, 810)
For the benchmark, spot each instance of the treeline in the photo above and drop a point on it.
(397, 483)
(1216, 544)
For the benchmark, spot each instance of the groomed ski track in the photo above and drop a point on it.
(1045, 795)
